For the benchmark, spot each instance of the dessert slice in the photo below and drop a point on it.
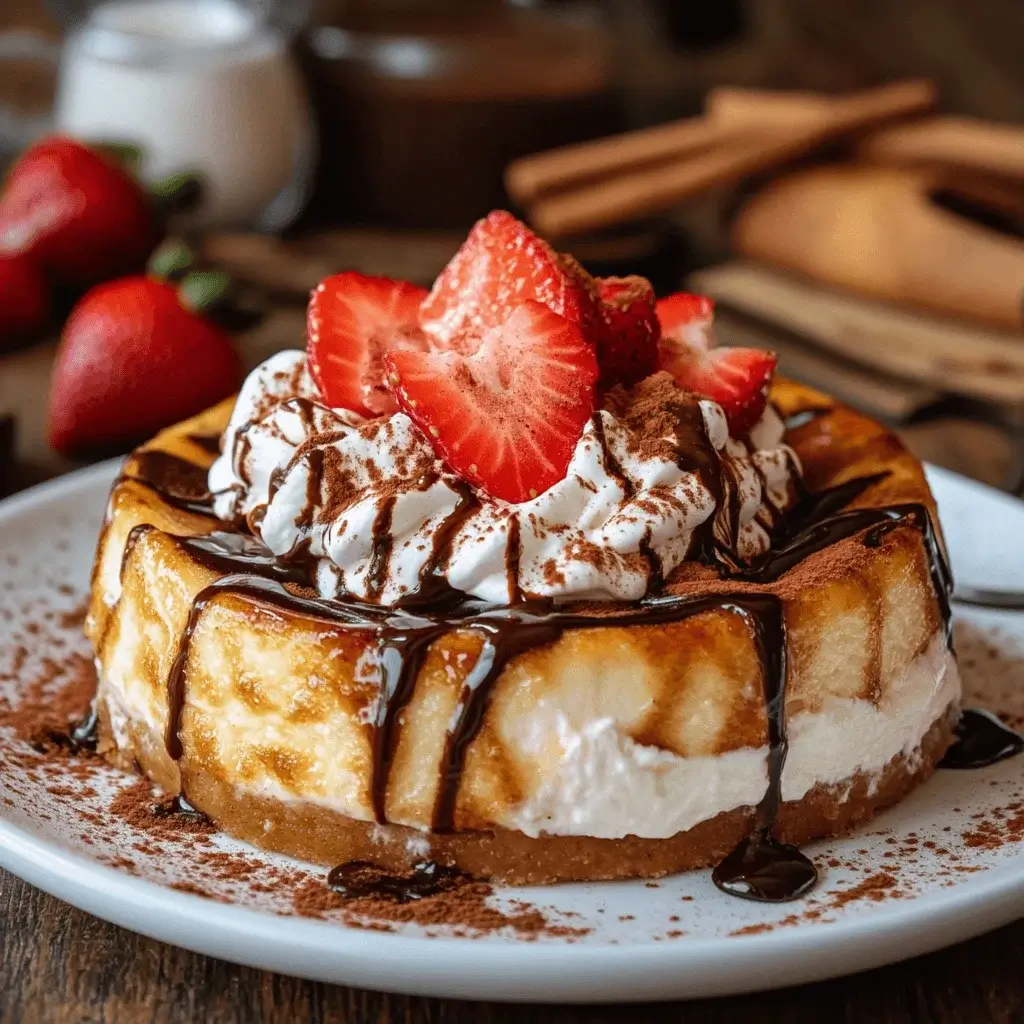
(530, 621)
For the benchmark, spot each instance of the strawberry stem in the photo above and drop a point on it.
(202, 289)
(171, 260)
(177, 193)
(126, 154)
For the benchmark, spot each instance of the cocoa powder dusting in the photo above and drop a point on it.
(157, 816)
(652, 413)
(57, 697)
(73, 619)
(999, 827)
(44, 714)
(877, 887)
(463, 906)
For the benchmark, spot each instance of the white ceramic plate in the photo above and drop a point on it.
(939, 868)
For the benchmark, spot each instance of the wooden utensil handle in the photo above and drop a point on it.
(874, 231)
(531, 176)
(651, 190)
(765, 109)
(776, 110)
(960, 141)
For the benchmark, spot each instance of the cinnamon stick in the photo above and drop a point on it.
(718, 154)
(772, 109)
(529, 177)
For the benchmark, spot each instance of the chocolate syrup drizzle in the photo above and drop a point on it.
(210, 443)
(177, 481)
(377, 573)
(760, 867)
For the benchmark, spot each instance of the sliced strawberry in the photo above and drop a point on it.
(507, 417)
(628, 349)
(737, 379)
(688, 319)
(352, 320)
(501, 264)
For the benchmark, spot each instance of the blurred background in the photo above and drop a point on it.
(844, 177)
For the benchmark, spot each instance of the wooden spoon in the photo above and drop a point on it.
(874, 230)
(963, 142)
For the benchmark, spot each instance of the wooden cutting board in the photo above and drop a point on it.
(880, 232)
(926, 352)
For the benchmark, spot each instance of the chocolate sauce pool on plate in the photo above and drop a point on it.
(85, 735)
(359, 879)
(760, 867)
(177, 805)
(763, 869)
(981, 740)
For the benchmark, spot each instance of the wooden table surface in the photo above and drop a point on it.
(58, 964)
(61, 965)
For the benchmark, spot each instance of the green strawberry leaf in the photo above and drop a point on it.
(202, 289)
(178, 193)
(171, 260)
(127, 154)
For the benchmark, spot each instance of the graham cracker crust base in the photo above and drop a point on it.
(322, 836)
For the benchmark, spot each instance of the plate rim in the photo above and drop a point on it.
(518, 971)
(506, 969)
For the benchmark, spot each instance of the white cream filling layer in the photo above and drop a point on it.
(603, 784)
(608, 786)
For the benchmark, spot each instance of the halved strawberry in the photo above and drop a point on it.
(687, 318)
(507, 417)
(501, 264)
(628, 348)
(737, 379)
(352, 321)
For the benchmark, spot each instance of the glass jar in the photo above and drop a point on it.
(208, 86)
(423, 104)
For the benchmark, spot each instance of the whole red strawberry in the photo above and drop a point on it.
(133, 359)
(76, 212)
(24, 300)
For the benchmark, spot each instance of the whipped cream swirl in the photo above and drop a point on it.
(374, 510)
